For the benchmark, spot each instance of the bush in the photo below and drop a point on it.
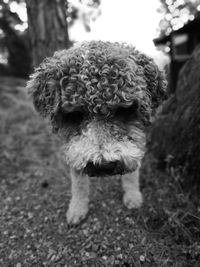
(174, 138)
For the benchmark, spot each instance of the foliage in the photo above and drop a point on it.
(13, 43)
(175, 134)
(85, 10)
(177, 13)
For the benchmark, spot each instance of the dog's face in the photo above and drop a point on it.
(99, 97)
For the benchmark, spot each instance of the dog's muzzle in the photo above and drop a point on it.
(104, 169)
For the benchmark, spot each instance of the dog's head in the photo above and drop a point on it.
(99, 96)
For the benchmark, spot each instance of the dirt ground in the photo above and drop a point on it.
(35, 193)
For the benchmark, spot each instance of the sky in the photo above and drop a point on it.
(131, 21)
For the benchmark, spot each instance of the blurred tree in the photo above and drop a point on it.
(177, 13)
(48, 23)
(84, 10)
(47, 26)
(48, 30)
(13, 43)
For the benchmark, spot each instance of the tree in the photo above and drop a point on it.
(48, 30)
(177, 13)
(13, 43)
(47, 27)
(84, 10)
(175, 135)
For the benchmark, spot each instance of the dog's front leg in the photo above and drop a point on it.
(132, 196)
(78, 206)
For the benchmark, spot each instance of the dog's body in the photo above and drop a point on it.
(99, 97)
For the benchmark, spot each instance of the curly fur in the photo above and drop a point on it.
(114, 88)
(99, 143)
(97, 76)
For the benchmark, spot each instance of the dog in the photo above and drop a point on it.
(99, 97)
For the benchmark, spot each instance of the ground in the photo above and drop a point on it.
(35, 193)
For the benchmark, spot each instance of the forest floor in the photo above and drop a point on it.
(35, 193)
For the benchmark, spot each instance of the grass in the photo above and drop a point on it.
(35, 193)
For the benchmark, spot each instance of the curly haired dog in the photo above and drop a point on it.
(99, 97)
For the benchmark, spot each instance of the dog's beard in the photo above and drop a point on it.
(82, 150)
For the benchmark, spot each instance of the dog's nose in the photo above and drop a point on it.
(103, 169)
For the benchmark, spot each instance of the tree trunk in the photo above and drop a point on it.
(47, 27)
(175, 136)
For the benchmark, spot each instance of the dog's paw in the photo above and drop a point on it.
(76, 213)
(132, 200)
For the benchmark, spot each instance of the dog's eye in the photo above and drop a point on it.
(75, 117)
(126, 112)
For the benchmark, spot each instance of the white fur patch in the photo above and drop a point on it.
(97, 147)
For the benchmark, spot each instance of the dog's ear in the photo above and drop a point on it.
(155, 79)
(44, 87)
